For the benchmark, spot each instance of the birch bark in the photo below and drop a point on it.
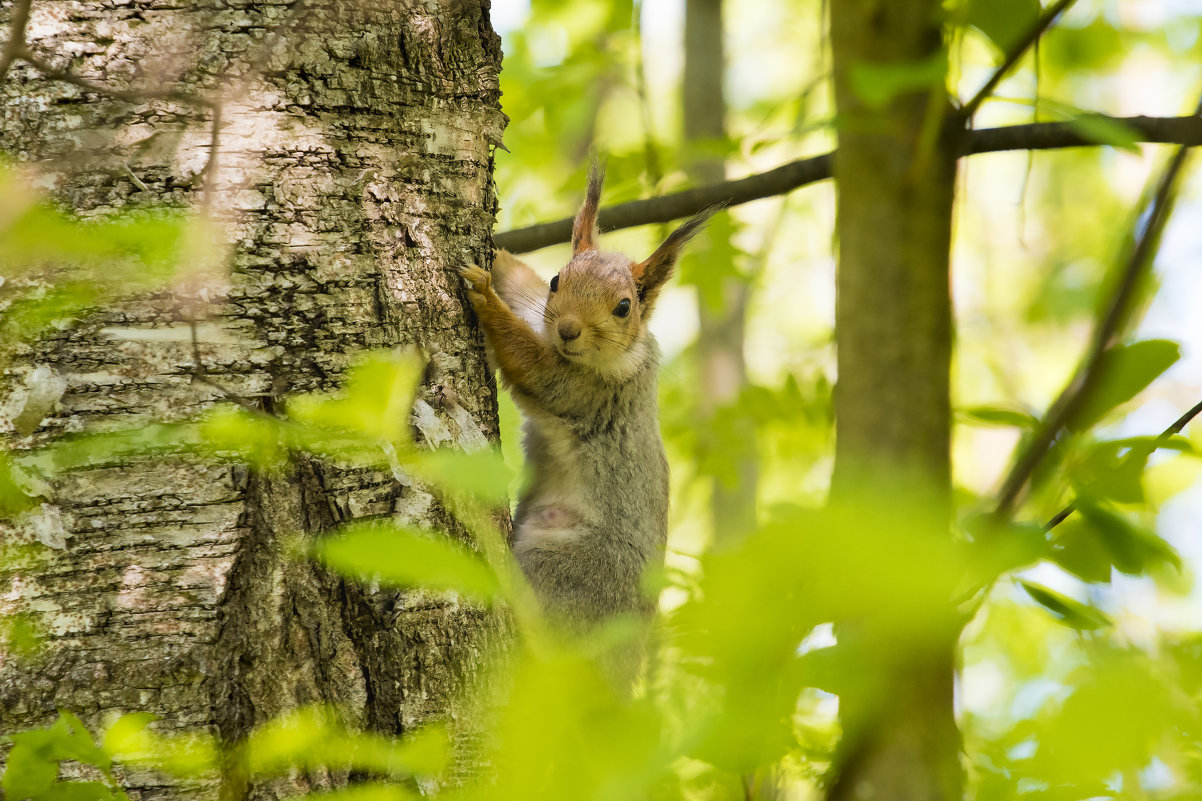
(353, 173)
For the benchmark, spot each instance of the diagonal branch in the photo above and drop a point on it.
(1064, 410)
(783, 179)
(1176, 428)
(1016, 53)
(18, 22)
(128, 95)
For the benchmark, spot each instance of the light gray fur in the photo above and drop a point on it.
(602, 435)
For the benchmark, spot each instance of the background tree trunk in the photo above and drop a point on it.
(895, 175)
(353, 175)
(720, 334)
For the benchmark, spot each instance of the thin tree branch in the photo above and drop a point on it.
(128, 95)
(783, 179)
(1176, 428)
(201, 375)
(1015, 55)
(1067, 406)
(18, 23)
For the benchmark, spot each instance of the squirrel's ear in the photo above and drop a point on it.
(652, 274)
(585, 234)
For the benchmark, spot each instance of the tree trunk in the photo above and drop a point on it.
(353, 174)
(895, 172)
(720, 335)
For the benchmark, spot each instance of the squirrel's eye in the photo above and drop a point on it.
(555, 283)
(623, 307)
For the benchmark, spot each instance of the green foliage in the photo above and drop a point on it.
(405, 557)
(1065, 690)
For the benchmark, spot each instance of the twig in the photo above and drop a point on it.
(18, 23)
(778, 181)
(1064, 410)
(198, 373)
(1015, 55)
(1176, 428)
(128, 95)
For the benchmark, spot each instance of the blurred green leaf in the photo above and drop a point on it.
(375, 400)
(1124, 372)
(1003, 22)
(130, 739)
(877, 83)
(1001, 416)
(314, 737)
(1067, 610)
(1105, 131)
(1080, 551)
(403, 556)
(482, 474)
(1133, 549)
(76, 791)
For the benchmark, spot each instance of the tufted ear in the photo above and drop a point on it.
(585, 234)
(652, 274)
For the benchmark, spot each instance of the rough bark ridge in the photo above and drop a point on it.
(354, 174)
(895, 172)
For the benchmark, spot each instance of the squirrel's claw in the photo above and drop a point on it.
(476, 278)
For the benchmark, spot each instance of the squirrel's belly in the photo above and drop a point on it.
(548, 526)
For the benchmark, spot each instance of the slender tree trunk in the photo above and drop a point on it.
(353, 174)
(895, 172)
(720, 338)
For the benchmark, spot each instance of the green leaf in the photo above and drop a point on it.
(483, 474)
(1111, 470)
(1133, 550)
(130, 739)
(1003, 22)
(375, 400)
(1078, 549)
(1001, 416)
(30, 770)
(878, 83)
(76, 791)
(312, 737)
(1124, 372)
(1105, 131)
(407, 557)
(1067, 610)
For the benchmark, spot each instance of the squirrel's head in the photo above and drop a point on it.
(599, 304)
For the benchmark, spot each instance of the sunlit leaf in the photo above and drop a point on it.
(878, 83)
(374, 402)
(130, 739)
(1105, 131)
(1003, 21)
(1001, 416)
(1068, 610)
(76, 791)
(1080, 551)
(482, 474)
(313, 737)
(1133, 549)
(1124, 372)
(407, 557)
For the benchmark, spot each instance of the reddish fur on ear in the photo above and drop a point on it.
(585, 234)
(651, 274)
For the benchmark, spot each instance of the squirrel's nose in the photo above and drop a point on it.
(568, 330)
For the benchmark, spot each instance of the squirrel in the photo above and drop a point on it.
(583, 369)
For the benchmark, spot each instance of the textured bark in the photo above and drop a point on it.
(720, 335)
(354, 174)
(895, 175)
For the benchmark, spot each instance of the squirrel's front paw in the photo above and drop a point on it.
(479, 284)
